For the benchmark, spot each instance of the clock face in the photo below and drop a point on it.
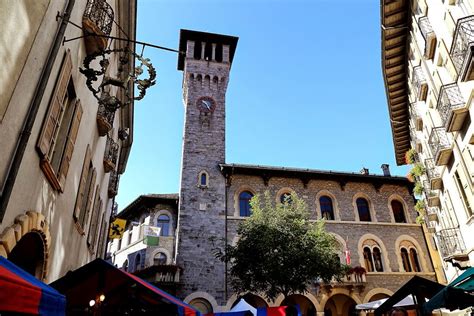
(206, 104)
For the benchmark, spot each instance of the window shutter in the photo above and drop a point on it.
(71, 140)
(93, 226)
(82, 184)
(90, 196)
(56, 108)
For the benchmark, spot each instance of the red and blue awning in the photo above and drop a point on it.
(20, 292)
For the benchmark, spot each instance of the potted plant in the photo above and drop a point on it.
(417, 170)
(418, 189)
(410, 156)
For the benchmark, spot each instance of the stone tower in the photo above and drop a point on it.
(201, 224)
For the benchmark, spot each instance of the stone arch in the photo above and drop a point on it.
(335, 204)
(373, 292)
(29, 223)
(199, 184)
(167, 213)
(419, 251)
(343, 244)
(191, 76)
(386, 261)
(398, 198)
(283, 191)
(155, 252)
(207, 81)
(338, 291)
(235, 298)
(202, 295)
(307, 306)
(373, 213)
(237, 192)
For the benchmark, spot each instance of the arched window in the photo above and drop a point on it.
(405, 260)
(244, 203)
(327, 211)
(159, 259)
(377, 259)
(137, 262)
(285, 197)
(125, 265)
(363, 209)
(164, 223)
(369, 263)
(398, 212)
(414, 260)
(203, 179)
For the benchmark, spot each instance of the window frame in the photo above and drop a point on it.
(167, 222)
(368, 209)
(248, 211)
(402, 211)
(331, 204)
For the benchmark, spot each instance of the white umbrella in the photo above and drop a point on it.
(243, 306)
(407, 301)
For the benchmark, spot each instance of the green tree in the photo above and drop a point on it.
(280, 251)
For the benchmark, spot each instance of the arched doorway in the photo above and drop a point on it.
(254, 300)
(306, 306)
(202, 305)
(340, 305)
(29, 254)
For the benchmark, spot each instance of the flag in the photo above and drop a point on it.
(152, 235)
(117, 228)
(347, 253)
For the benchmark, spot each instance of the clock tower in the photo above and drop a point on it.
(205, 60)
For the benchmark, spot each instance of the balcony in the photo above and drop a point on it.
(105, 120)
(451, 244)
(110, 155)
(415, 116)
(451, 107)
(432, 214)
(355, 279)
(440, 145)
(428, 35)
(433, 175)
(97, 22)
(432, 196)
(113, 184)
(415, 141)
(462, 49)
(419, 84)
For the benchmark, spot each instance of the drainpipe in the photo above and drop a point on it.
(25, 133)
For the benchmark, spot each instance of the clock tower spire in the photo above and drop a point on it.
(205, 60)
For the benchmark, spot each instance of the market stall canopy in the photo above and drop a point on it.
(420, 288)
(23, 293)
(407, 301)
(459, 294)
(99, 286)
(242, 306)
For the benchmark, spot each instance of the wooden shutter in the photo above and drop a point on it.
(91, 238)
(71, 140)
(90, 196)
(82, 184)
(56, 108)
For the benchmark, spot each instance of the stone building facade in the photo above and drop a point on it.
(370, 215)
(61, 153)
(428, 66)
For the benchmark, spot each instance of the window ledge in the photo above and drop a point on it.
(48, 171)
(470, 220)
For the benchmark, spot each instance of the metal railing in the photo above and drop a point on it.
(418, 81)
(101, 13)
(425, 27)
(113, 183)
(451, 242)
(438, 141)
(432, 171)
(105, 119)
(462, 41)
(111, 154)
(415, 115)
(431, 196)
(450, 99)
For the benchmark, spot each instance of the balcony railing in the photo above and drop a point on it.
(110, 155)
(451, 243)
(432, 196)
(440, 145)
(419, 83)
(463, 47)
(105, 120)
(415, 115)
(98, 19)
(113, 183)
(451, 107)
(433, 174)
(415, 141)
(428, 35)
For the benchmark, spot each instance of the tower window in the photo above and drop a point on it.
(203, 179)
(164, 223)
(208, 51)
(398, 212)
(197, 50)
(244, 203)
(327, 211)
(219, 52)
(363, 209)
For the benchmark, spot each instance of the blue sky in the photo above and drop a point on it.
(305, 90)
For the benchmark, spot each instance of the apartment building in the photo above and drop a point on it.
(428, 67)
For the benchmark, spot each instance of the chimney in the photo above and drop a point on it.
(386, 170)
(364, 171)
